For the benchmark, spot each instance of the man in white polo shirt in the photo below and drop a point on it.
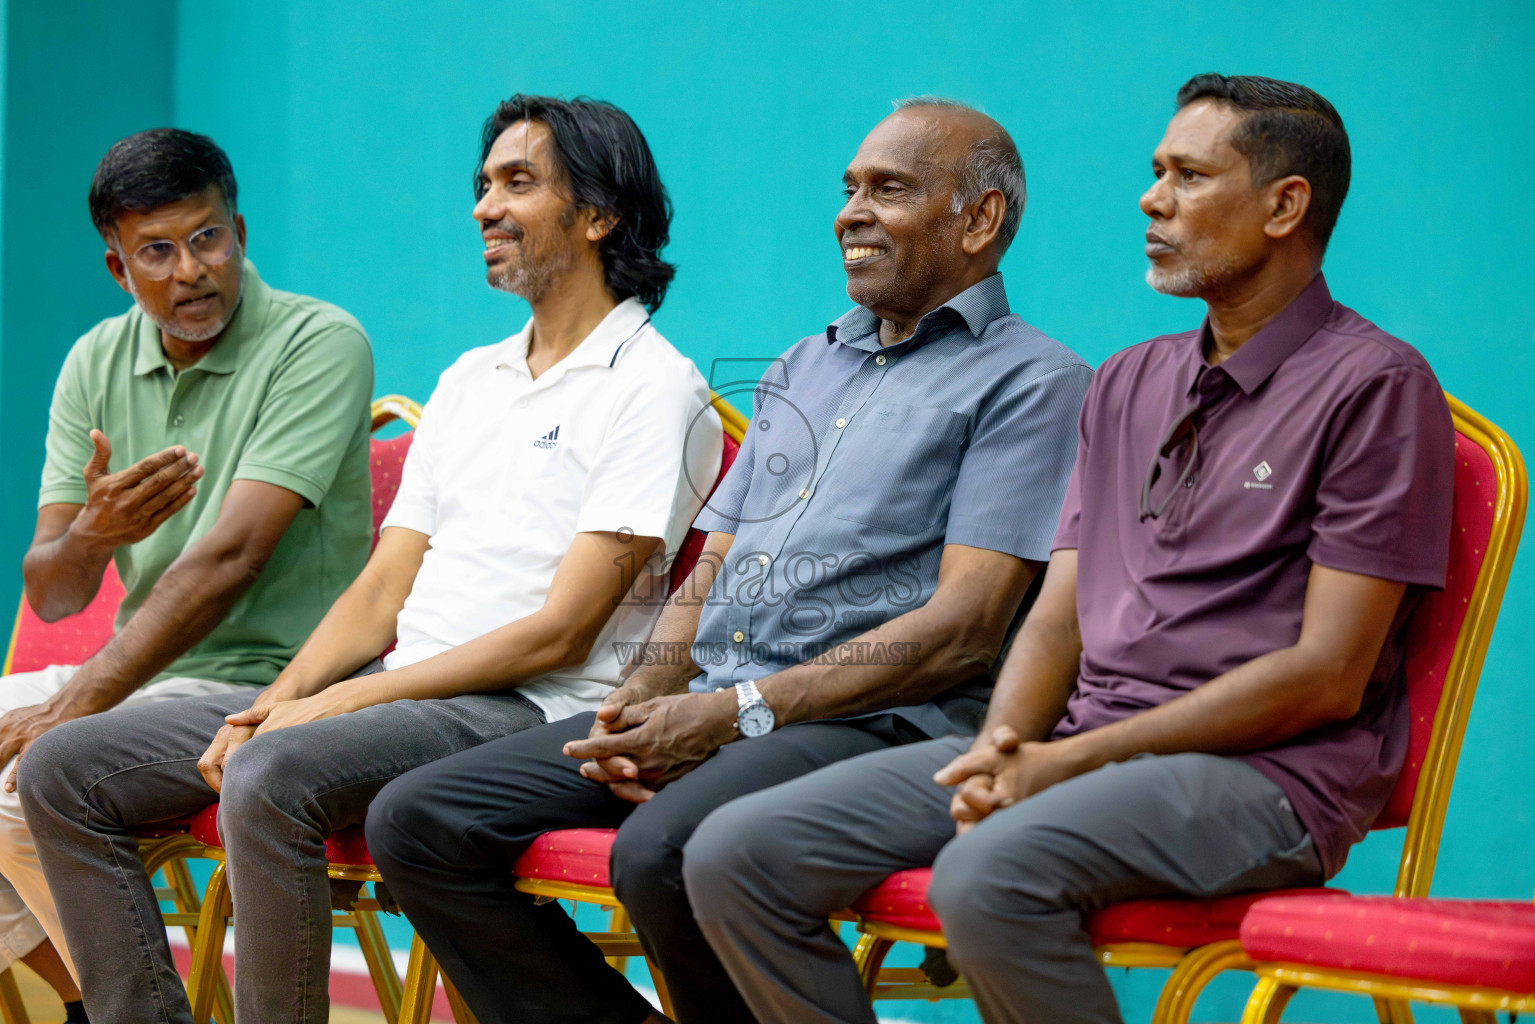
(549, 478)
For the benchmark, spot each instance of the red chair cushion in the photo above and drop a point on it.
(693, 543)
(901, 900)
(578, 855)
(1481, 943)
(349, 846)
(1437, 622)
(1178, 921)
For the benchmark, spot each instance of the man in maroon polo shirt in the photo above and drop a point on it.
(1206, 696)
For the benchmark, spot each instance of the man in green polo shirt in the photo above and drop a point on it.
(213, 442)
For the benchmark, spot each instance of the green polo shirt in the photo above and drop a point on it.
(282, 398)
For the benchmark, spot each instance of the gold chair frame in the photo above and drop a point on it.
(409, 1002)
(1194, 967)
(1278, 982)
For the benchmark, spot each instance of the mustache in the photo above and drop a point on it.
(513, 230)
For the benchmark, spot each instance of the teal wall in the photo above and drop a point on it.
(78, 76)
(353, 127)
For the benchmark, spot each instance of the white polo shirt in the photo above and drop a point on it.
(505, 470)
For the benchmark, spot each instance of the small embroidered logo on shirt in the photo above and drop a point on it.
(549, 440)
(1262, 471)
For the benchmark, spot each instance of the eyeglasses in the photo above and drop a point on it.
(1183, 429)
(212, 247)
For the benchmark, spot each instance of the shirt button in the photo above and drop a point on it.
(178, 421)
(763, 559)
(1189, 482)
(739, 636)
(804, 492)
(879, 360)
(841, 422)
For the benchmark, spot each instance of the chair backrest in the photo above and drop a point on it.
(36, 644)
(1448, 636)
(693, 545)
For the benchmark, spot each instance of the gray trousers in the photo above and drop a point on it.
(764, 871)
(89, 783)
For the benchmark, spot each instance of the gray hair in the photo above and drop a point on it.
(992, 163)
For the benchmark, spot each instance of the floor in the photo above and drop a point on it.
(44, 1007)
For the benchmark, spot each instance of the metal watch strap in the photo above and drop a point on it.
(747, 694)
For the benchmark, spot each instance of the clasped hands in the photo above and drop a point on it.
(999, 770)
(640, 743)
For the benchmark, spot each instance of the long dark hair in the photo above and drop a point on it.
(608, 167)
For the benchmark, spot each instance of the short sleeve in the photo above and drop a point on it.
(68, 446)
(1385, 496)
(658, 458)
(1069, 526)
(1008, 494)
(722, 513)
(319, 393)
(415, 500)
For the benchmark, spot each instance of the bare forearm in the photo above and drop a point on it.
(1037, 679)
(906, 661)
(62, 575)
(188, 601)
(1257, 705)
(358, 626)
(503, 658)
(668, 652)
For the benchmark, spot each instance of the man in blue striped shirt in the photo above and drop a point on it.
(892, 503)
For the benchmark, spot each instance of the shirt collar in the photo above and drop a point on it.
(223, 358)
(976, 307)
(1255, 362)
(602, 347)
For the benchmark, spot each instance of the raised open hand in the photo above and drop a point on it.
(129, 505)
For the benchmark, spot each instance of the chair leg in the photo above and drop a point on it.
(1267, 1002)
(12, 1009)
(1393, 1011)
(420, 985)
(663, 994)
(1199, 966)
(375, 952)
(208, 949)
(188, 902)
(1469, 1016)
(619, 923)
(461, 1012)
(869, 955)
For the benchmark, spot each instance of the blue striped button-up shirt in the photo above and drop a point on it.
(861, 463)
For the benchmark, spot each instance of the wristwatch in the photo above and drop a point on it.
(753, 717)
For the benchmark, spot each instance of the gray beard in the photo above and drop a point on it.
(181, 333)
(1192, 282)
(523, 279)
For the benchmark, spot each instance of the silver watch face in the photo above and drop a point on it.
(755, 720)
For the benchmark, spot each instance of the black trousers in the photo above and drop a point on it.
(445, 837)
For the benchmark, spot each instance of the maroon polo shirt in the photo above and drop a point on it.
(1323, 440)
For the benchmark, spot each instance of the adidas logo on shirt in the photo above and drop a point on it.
(549, 440)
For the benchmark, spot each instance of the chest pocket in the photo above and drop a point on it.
(895, 468)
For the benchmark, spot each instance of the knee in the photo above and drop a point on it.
(734, 852)
(646, 862)
(984, 903)
(403, 834)
(267, 779)
(53, 779)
